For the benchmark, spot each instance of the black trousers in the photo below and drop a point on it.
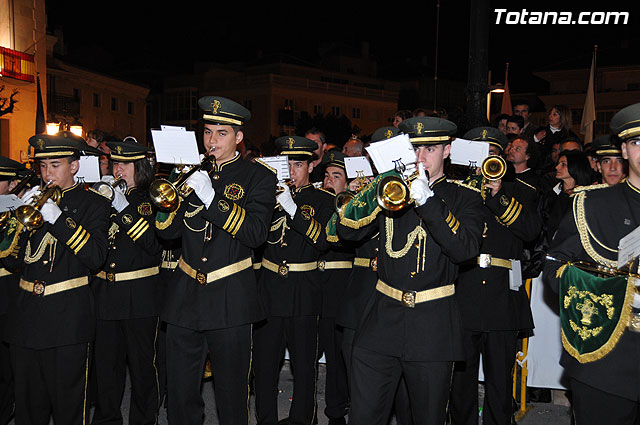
(401, 407)
(336, 385)
(52, 382)
(592, 406)
(6, 377)
(498, 350)
(375, 380)
(300, 335)
(230, 353)
(119, 343)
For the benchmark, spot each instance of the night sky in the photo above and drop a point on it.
(118, 37)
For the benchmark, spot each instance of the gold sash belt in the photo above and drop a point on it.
(486, 261)
(334, 265)
(284, 268)
(41, 289)
(205, 278)
(135, 274)
(366, 262)
(411, 298)
(171, 265)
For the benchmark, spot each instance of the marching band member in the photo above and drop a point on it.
(126, 294)
(51, 324)
(213, 301)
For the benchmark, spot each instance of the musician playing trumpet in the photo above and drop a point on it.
(127, 293)
(51, 323)
(493, 306)
(411, 326)
(212, 302)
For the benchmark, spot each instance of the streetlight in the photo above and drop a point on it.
(53, 127)
(497, 88)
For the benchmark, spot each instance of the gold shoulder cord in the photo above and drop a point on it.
(47, 240)
(585, 233)
(279, 223)
(417, 233)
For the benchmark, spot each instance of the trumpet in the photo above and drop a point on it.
(493, 168)
(393, 192)
(4, 217)
(166, 194)
(29, 215)
(107, 189)
(599, 269)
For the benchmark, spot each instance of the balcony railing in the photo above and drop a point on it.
(63, 105)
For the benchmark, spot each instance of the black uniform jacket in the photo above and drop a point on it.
(451, 220)
(71, 248)
(361, 283)
(486, 302)
(133, 247)
(610, 213)
(222, 235)
(294, 241)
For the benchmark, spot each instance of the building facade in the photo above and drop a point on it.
(22, 60)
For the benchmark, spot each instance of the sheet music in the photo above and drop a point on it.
(176, 147)
(89, 169)
(356, 164)
(468, 152)
(280, 163)
(386, 154)
(9, 202)
(629, 247)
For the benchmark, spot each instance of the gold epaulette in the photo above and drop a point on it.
(269, 167)
(326, 191)
(463, 184)
(527, 184)
(591, 187)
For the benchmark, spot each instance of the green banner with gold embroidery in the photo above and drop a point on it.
(594, 312)
(10, 237)
(364, 208)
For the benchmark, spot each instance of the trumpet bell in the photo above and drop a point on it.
(30, 215)
(392, 193)
(164, 195)
(493, 167)
(341, 200)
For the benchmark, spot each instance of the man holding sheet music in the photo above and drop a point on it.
(212, 302)
(601, 329)
(412, 327)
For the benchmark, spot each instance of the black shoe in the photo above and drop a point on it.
(339, 421)
(538, 395)
(284, 421)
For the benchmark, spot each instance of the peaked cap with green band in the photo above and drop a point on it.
(490, 135)
(60, 145)
(428, 130)
(220, 110)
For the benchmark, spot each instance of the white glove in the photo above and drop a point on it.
(108, 179)
(420, 190)
(119, 200)
(28, 196)
(50, 211)
(201, 185)
(286, 200)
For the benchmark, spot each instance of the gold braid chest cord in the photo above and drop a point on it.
(280, 223)
(418, 233)
(48, 241)
(585, 233)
